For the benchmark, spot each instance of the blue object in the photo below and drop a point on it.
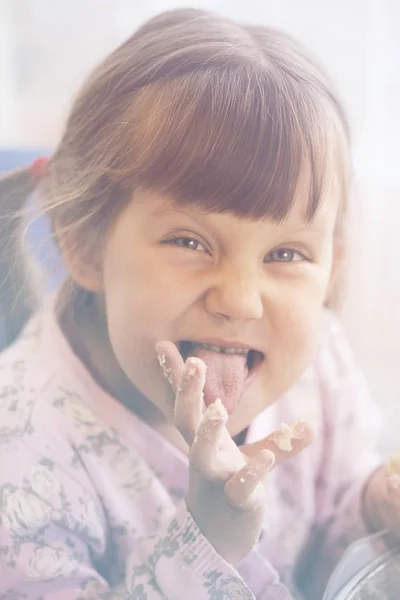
(15, 158)
(38, 236)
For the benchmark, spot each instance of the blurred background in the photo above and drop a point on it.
(47, 47)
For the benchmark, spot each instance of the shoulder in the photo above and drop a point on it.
(37, 409)
(19, 391)
(335, 364)
(334, 353)
(52, 413)
(40, 466)
(344, 392)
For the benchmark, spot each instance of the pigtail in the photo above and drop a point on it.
(17, 297)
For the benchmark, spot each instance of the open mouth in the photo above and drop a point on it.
(231, 369)
(253, 357)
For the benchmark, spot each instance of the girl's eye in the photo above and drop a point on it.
(188, 243)
(285, 255)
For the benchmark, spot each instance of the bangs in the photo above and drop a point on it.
(236, 140)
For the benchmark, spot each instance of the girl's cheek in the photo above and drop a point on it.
(301, 323)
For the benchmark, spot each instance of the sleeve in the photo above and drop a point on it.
(53, 543)
(352, 424)
(265, 580)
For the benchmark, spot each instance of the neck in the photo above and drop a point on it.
(84, 324)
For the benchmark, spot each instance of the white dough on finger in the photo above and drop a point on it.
(167, 372)
(284, 438)
(216, 411)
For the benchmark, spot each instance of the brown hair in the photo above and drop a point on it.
(17, 294)
(206, 110)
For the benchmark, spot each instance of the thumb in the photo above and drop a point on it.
(285, 443)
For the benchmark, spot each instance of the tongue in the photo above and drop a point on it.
(226, 376)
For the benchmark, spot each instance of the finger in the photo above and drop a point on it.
(381, 508)
(392, 492)
(171, 362)
(393, 464)
(285, 443)
(393, 489)
(387, 513)
(393, 497)
(204, 452)
(245, 490)
(189, 398)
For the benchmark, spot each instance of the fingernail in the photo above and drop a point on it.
(190, 368)
(167, 371)
(264, 462)
(299, 430)
(253, 472)
(269, 458)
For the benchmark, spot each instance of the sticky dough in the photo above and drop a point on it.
(393, 465)
(284, 437)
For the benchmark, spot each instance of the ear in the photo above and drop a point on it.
(334, 291)
(83, 261)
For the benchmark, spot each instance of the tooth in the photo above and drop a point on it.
(214, 348)
(243, 351)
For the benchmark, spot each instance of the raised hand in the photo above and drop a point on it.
(227, 495)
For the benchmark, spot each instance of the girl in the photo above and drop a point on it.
(197, 197)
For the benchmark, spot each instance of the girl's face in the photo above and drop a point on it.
(177, 273)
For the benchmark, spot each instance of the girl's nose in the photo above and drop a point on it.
(236, 296)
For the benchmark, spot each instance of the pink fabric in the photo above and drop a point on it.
(92, 499)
